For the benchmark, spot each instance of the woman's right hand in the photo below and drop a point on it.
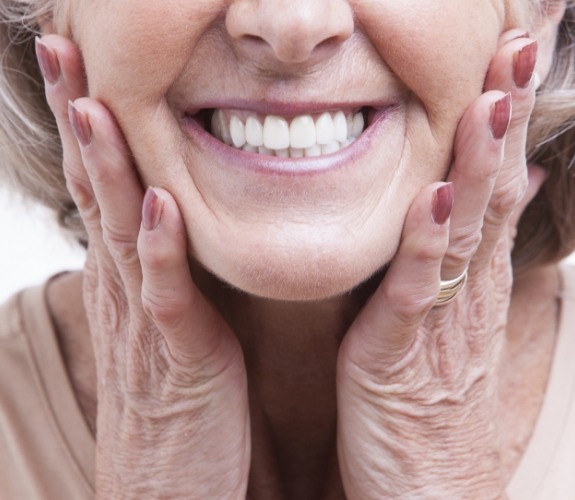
(173, 413)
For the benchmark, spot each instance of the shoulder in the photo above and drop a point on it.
(46, 450)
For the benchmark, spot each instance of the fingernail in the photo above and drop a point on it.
(151, 210)
(500, 117)
(48, 62)
(80, 124)
(524, 64)
(442, 203)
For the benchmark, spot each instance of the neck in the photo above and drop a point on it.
(291, 349)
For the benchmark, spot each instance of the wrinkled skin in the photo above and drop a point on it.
(416, 385)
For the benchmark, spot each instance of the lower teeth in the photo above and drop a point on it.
(316, 150)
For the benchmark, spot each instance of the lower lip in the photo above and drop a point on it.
(264, 164)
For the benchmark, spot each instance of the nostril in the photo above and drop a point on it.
(290, 30)
(333, 40)
(253, 38)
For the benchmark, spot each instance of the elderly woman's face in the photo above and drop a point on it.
(178, 74)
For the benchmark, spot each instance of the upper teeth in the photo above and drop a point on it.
(302, 136)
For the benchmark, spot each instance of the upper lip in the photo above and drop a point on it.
(292, 102)
(343, 85)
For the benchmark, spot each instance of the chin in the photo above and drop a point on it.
(305, 273)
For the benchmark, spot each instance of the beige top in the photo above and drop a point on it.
(47, 451)
(547, 469)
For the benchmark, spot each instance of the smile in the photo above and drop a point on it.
(277, 138)
(305, 135)
(302, 136)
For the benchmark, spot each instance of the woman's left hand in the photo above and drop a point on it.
(417, 383)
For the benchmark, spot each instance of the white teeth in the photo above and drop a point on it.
(237, 131)
(340, 127)
(315, 150)
(220, 128)
(254, 132)
(276, 132)
(302, 132)
(302, 137)
(249, 148)
(332, 147)
(265, 151)
(357, 125)
(324, 129)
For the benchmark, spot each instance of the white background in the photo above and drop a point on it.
(32, 247)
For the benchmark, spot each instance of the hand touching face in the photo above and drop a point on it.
(297, 227)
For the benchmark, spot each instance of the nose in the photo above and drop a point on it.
(292, 31)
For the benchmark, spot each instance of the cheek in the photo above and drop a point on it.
(439, 49)
(133, 52)
(135, 49)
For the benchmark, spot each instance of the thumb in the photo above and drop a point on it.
(385, 330)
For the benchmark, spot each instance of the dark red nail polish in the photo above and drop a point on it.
(152, 209)
(442, 204)
(524, 64)
(500, 117)
(48, 62)
(80, 125)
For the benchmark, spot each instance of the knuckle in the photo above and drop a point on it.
(424, 250)
(409, 302)
(74, 171)
(100, 177)
(89, 212)
(430, 253)
(164, 307)
(121, 246)
(506, 198)
(76, 183)
(463, 244)
(410, 313)
(155, 256)
(455, 260)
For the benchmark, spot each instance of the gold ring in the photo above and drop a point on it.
(449, 289)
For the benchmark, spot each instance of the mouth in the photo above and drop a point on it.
(297, 136)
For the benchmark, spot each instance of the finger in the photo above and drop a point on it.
(385, 329)
(194, 332)
(116, 187)
(61, 65)
(512, 70)
(510, 35)
(478, 155)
